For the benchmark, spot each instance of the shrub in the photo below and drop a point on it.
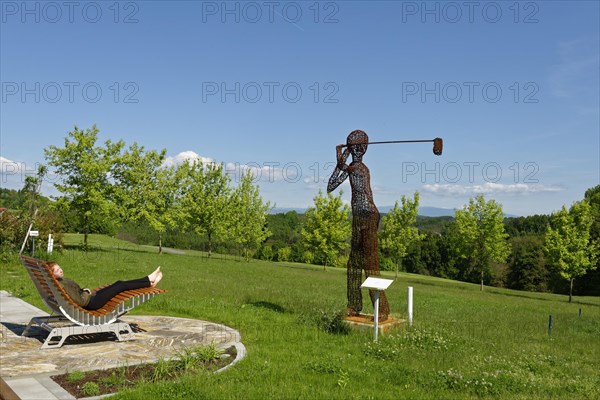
(284, 253)
(11, 229)
(341, 262)
(91, 389)
(266, 253)
(387, 264)
(308, 257)
(333, 322)
(75, 376)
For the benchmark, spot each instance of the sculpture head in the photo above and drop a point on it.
(357, 143)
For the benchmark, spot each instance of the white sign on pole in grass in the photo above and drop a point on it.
(34, 233)
(377, 284)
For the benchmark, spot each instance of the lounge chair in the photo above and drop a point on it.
(80, 321)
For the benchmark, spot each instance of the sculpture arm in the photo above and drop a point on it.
(340, 173)
(336, 179)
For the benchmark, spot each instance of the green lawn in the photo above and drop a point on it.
(463, 344)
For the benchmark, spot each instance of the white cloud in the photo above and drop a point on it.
(487, 188)
(269, 172)
(8, 167)
(186, 156)
(265, 172)
(13, 173)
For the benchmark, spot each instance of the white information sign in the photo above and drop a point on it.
(376, 283)
(34, 233)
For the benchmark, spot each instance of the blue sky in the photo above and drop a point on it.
(512, 88)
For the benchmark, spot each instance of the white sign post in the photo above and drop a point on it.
(377, 284)
(50, 243)
(410, 305)
(33, 234)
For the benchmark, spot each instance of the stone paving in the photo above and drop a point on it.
(155, 337)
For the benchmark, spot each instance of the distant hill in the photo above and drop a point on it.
(423, 211)
(283, 210)
(436, 212)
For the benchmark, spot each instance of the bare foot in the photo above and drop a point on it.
(157, 279)
(152, 277)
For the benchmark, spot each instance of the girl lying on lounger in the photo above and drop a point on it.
(95, 300)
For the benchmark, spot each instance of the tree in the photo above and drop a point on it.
(568, 246)
(590, 282)
(144, 190)
(203, 200)
(481, 236)
(398, 232)
(284, 254)
(527, 264)
(30, 206)
(249, 215)
(327, 228)
(592, 196)
(84, 169)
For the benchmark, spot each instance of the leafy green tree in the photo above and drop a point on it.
(308, 257)
(32, 199)
(284, 254)
(266, 252)
(327, 228)
(590, 282)
(30, 206)
(84, 168)
(398, 232)
(32, 211)
(592, 196)
(530, 225)
(12, 230)
(285, 227)
(10, 198)
(527, 264)
(203, 201)
(481, 236)
(144, 190)
(249, 215)
(568, 246)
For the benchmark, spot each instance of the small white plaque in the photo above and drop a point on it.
(376, 283)
(34, 233)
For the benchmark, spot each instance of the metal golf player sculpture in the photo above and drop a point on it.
(365, 217)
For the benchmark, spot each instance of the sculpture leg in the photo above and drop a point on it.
(354, 274)
(371, 246)
(384, 306)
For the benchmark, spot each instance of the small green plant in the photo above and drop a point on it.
(324, 367)
(75, 376)
(162, 370)
(91, 389)
(333, 322)
(117, 378)
(208, 353)
(343, 379)
(187, 360)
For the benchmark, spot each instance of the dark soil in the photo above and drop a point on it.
(115, 379)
